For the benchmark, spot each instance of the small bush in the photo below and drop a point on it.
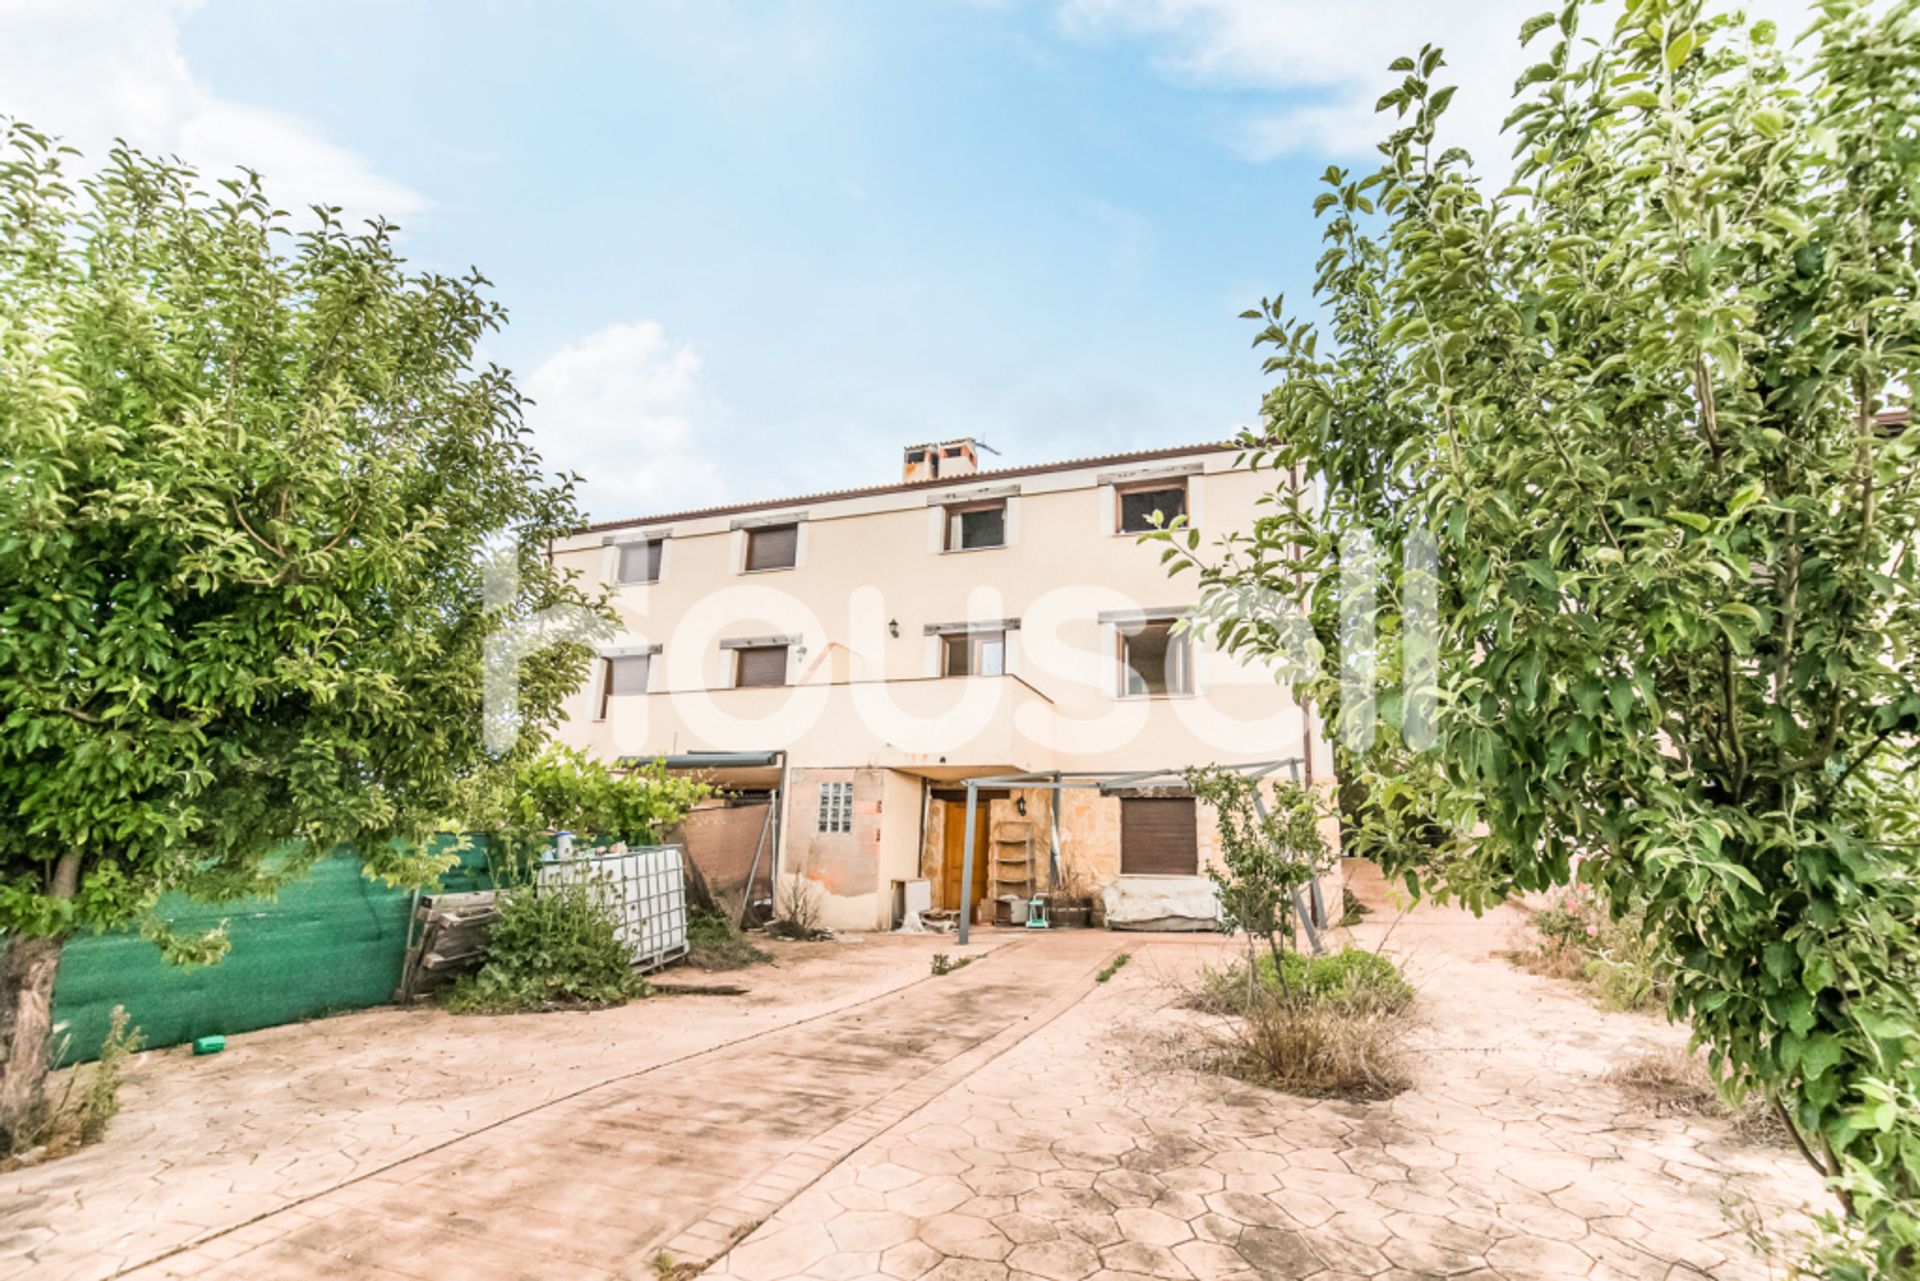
(1351, 978)
(1579, 939)
(91, 1098)
(99, 1102)
(714, 943)
(944, 964)
(797, 909)
(554, 947)
(1677, 1083)
(1335, 1027)
(1113, 967)
(1317, 1048)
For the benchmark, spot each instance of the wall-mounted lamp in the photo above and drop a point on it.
(1020, 806)
(893, 628)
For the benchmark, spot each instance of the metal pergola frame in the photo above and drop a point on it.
(772, 832)
(1058, 781)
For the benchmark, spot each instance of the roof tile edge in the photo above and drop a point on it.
(901, 487)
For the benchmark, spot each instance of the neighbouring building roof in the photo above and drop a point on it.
(937, 482)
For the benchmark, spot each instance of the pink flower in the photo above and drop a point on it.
(1593, 931)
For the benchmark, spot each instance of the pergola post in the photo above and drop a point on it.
(966, 864)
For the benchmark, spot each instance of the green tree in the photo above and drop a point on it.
(1269, 849)
(246, 476)
(1638, 400)
(565, 789)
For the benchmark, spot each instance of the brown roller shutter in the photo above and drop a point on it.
(761, 665)
(1158, 837)
(773, 547)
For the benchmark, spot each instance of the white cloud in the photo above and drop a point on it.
(93, 70)
(618, 407)
(1333, 58)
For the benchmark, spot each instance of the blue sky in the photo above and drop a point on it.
(755, 248)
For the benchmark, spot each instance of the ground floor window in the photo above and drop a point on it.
(836, 807)
(1158, 836)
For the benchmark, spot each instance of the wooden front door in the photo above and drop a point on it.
(954, 853)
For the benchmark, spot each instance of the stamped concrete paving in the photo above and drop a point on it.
(207, 1145)
(1087, 1152)
(1013, 1119)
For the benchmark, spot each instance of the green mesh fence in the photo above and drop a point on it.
(332, 941)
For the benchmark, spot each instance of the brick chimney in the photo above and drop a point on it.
(947, 460)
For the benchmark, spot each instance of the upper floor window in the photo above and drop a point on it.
(836, 807)
(759, 665)
(640, 562)
(971, 525)
(1154, 659)
(1139, 503)
(773, 547)
(974, 654)
(624, 674)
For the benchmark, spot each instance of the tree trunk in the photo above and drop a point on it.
(27, 968)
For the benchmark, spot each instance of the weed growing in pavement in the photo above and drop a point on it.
(91, 1098)
(944, 964)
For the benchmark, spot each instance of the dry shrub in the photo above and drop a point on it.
(1317, 1048)
(1550, 962)
(715, 943)
(1677, 1083)
(1579, 940)
(799, 904)
(1336, 1028)
(90, 1101)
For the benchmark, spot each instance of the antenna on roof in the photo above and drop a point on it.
(981, 444)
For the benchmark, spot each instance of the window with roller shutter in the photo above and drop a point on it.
(626, 674)
(773, 547)
(640, 562)
(1158, 836)
(760, 665)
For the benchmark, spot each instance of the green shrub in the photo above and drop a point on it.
(1350, 978)
(715, 943)
(99, 1102)
(554, 947)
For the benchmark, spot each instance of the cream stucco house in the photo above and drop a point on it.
(843, 662)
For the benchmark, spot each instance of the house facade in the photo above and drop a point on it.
(853, 658)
